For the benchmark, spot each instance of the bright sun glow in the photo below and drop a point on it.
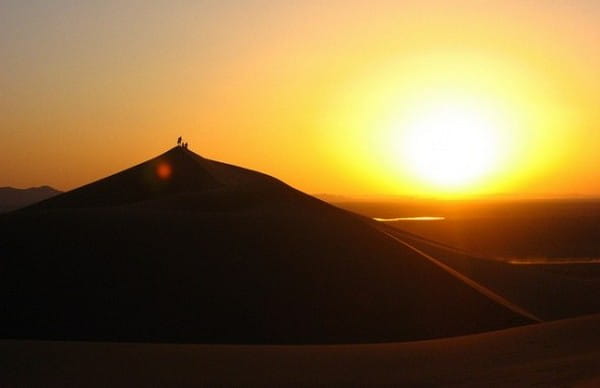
(446, 125)
(451, 143)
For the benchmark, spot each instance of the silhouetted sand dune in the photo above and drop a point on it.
(176, 171)
(549, 295)
(553, 354)
(202, 251)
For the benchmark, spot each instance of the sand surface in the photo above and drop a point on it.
(561, 353)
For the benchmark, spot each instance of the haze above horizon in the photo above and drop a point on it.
(423, 98)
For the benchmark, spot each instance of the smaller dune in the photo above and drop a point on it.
(557, 354)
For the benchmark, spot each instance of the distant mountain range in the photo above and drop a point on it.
(12, 198)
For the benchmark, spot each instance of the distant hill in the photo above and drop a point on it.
(185, 249)
(12, 198)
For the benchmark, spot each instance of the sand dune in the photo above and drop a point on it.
(205, 252)
(561, 353)
(545, 294)
(219, 254)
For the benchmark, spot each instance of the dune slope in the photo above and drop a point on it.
(213, 253)
(557, 354)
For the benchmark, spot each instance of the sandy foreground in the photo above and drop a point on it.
(561, 353)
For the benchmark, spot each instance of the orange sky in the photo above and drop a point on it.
(315, 93)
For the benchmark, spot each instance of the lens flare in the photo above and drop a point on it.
(163, 171)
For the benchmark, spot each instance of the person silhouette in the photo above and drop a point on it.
(179, 141)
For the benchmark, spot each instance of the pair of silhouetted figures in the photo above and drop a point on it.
(180, 143)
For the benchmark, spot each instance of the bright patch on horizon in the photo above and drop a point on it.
(448, 124)
(451, 143)
(422, 218)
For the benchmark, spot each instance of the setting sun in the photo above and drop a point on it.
(451, 143)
